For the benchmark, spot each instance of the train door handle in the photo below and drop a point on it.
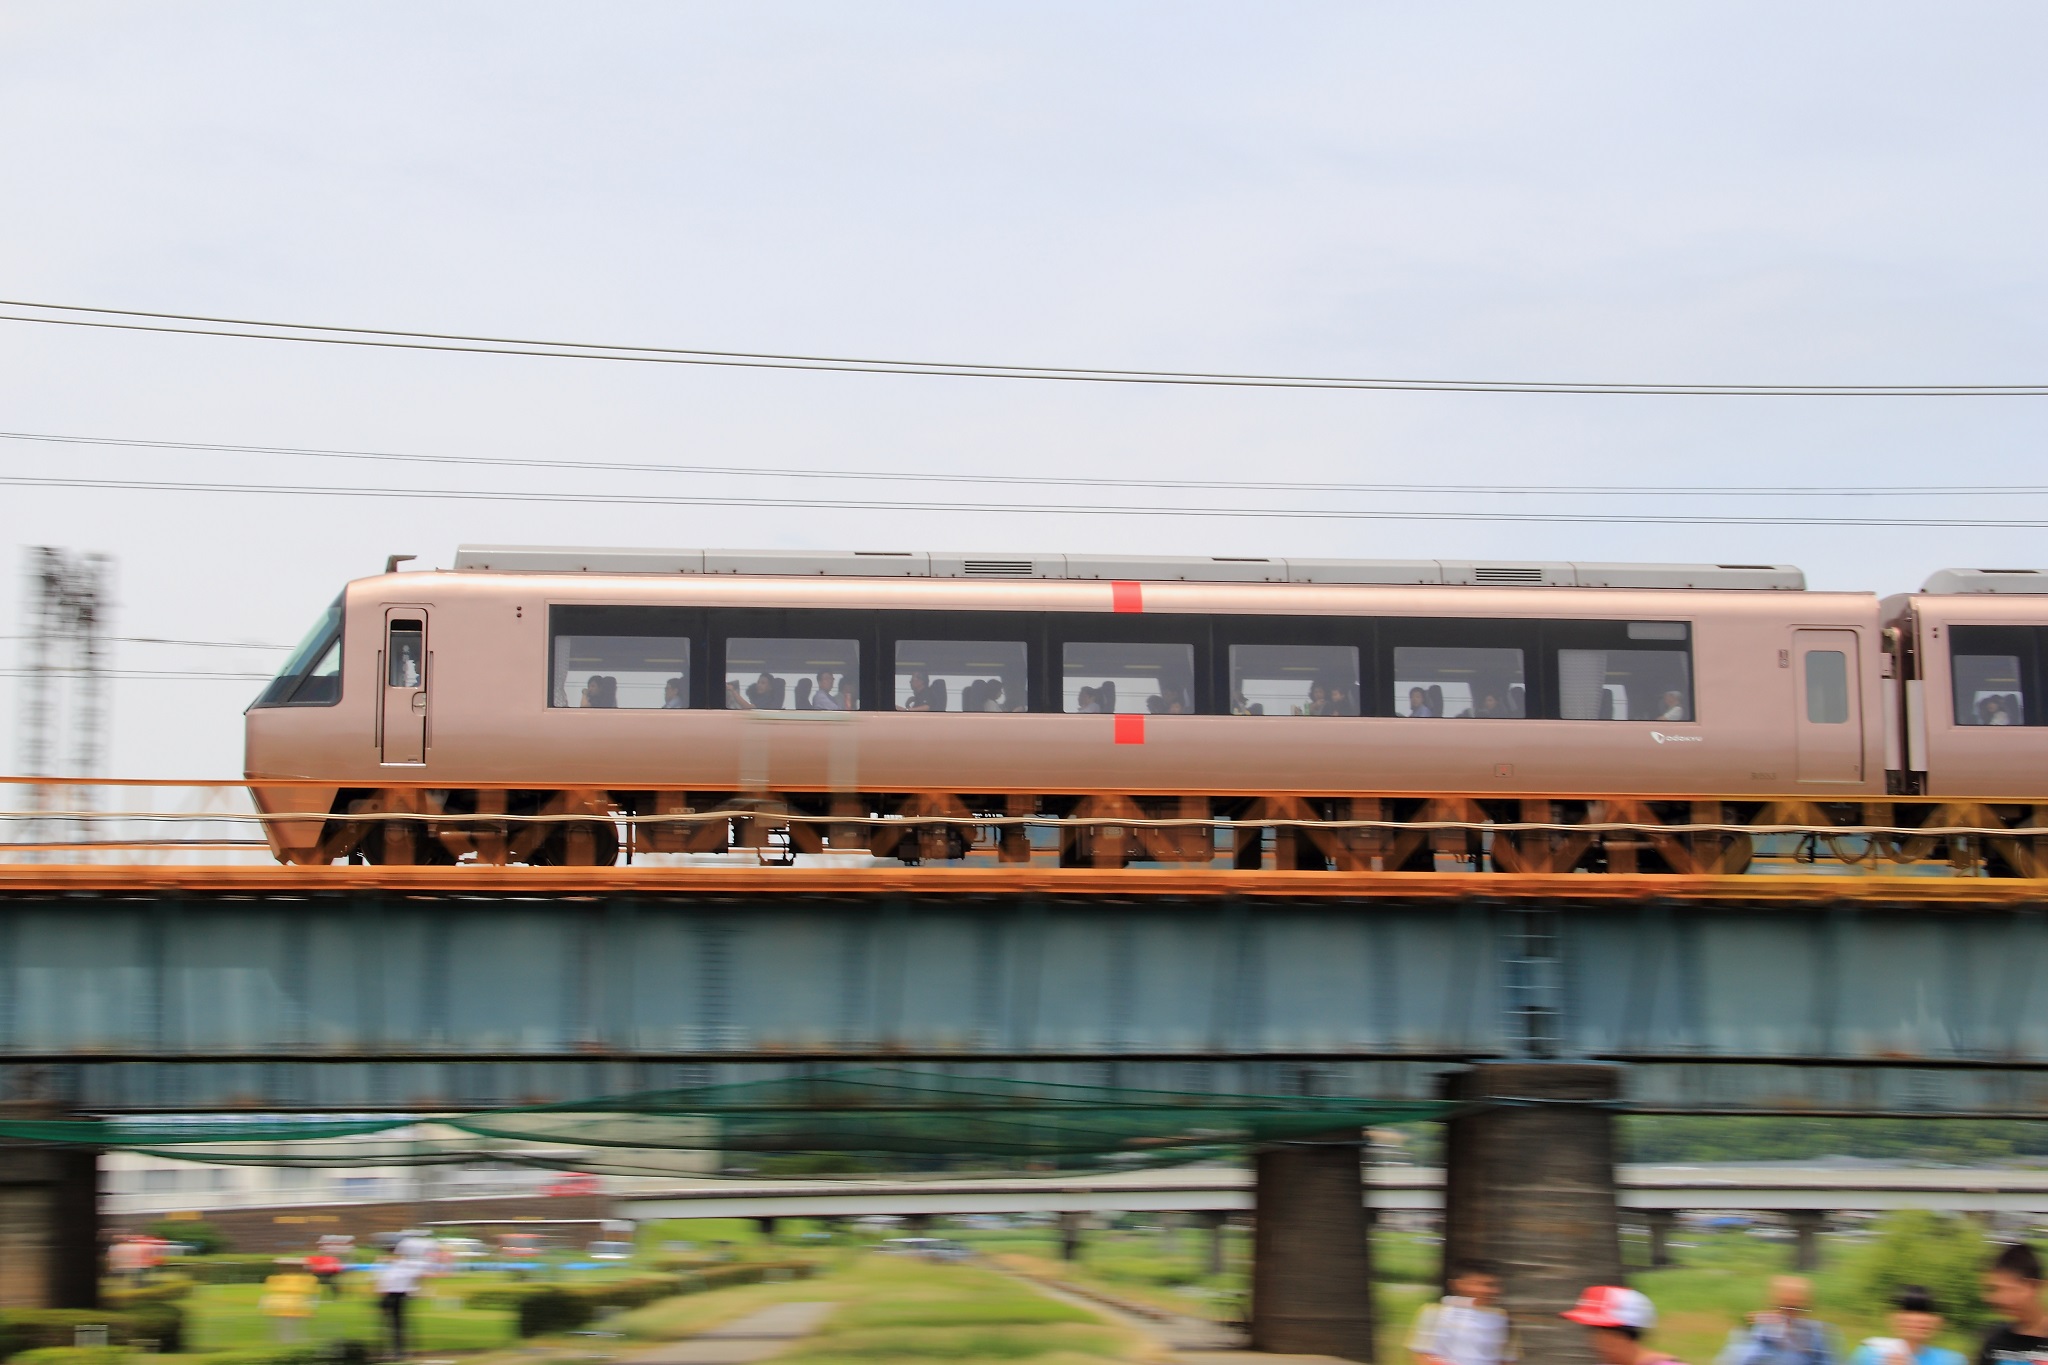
(419, 703)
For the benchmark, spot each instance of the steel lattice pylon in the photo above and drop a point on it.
(64, 685)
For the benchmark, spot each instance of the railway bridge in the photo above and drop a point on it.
(1527, 1009)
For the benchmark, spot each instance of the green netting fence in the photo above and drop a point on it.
(892, 1116)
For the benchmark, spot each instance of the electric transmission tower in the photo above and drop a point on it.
(64, 684)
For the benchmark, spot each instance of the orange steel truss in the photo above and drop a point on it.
(1960, 894)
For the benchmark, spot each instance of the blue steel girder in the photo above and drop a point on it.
(410, 1000)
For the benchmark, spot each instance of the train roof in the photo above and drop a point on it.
(1957, 582)
(1213, 569)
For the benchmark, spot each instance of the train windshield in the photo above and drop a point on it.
(312, 675)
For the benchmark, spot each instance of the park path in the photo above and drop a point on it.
(756, 1336)
(1188, 1340)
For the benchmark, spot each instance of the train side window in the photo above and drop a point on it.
(961, 675)
(1623, 670)
(619, 658)
(629, 672)
(1294, 680)
(1461, 681)
(1827, 687)
(763, 674)
(1127, 678)
(1993, 675)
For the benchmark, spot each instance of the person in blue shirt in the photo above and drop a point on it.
(1915, 1321)
(1785, 1333)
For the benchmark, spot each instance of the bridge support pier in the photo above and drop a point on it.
(1659, 1223)
(1311, 1250)
(1806, 1225)
(1529, 1187)
(49, 1224)
(1215, 1220)
(1070, 1235)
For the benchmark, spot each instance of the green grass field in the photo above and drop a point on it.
(896, 1308)
(905, 1310)
(227, 1317)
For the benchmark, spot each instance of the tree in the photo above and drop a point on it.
(204, 1238)
(1943, 1252)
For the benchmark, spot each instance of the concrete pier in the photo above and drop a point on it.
(1071, 1225)
(1529, 1186)
(49, 1226)
(1806, 1225)
(1659, 1223)
(1312, 1250)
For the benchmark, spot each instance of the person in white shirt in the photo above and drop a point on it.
(1465, 1328)
(398, 1279)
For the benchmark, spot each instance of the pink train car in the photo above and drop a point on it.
(528, 677)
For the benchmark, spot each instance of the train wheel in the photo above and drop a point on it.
(578, 843)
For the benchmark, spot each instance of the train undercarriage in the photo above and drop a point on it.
(1337, 834)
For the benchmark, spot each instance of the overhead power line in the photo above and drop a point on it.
(325, 334)
(1035, 509)
(1050, 480)
(186, 673)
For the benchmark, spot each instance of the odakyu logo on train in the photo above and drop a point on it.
(1663, 738)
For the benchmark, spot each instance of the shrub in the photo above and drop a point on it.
(307, 1353)
(237, 1269)
(554, 1310)
(29, 1329)
(204, 1238)
(72, 1355)
(548, 1308)
(163, 1289)
(1944, 1252)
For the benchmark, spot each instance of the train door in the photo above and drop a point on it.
(1829, 705)
(403, 720)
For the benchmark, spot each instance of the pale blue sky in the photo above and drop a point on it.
(1724, 192)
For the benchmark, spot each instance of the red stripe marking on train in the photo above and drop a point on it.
(1127, 596)
(1130, 729)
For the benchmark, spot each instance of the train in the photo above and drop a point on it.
(586, 685)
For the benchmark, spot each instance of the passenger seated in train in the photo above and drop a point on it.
(1673, 707)
(764, 693)
(1490, 708)
(1318, 703)
(985, 695)
(1418, 702)
(1998, 709)
(1097, 700)
(832, 693)
(601, 691)
(672, 695)
(1173, 699)
(921, 694)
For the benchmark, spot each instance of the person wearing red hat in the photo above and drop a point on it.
(1615, 1320)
